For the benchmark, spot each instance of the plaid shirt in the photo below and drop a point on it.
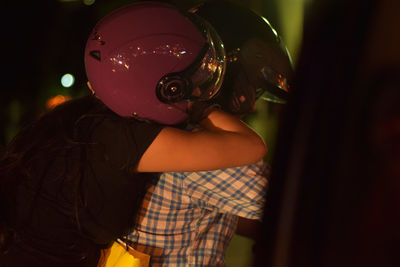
(189, 218)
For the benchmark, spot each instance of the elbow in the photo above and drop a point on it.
(256, 150)
(264, 150)
(260, 149)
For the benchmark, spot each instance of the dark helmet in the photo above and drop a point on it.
(147, 59)
(258, 63)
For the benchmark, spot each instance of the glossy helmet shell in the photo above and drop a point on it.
(252, 45)
(131, 49)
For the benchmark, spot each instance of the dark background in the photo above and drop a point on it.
(42, 40)
(334, 193)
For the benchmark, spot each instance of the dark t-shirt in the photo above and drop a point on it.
(55, 228)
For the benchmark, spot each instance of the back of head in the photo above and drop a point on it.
(145, 60)
(258, 63)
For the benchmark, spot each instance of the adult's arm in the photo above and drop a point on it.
(224, 142)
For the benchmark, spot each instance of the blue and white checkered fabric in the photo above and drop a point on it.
(189, 218)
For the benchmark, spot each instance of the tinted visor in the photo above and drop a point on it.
(206, 74)
(273, 87)
(261, 62)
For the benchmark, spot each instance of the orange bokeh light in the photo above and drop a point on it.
(56, 100)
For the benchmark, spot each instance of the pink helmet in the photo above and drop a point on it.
(147, 59)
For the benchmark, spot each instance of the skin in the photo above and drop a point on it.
(224, 141)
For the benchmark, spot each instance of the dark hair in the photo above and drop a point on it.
(55, 132)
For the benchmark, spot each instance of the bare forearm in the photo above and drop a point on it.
(221, 122)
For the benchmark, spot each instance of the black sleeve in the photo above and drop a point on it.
(113, 193)
(125, 141)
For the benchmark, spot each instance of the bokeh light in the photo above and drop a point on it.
(88, 2)
(67, 80)
(56, 100)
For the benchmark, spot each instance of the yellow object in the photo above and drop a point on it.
(119, 256)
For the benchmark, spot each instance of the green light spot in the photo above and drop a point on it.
(88, 2)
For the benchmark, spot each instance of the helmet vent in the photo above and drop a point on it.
(95, 54)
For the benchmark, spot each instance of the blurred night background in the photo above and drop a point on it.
(44, 40)
(347, 59)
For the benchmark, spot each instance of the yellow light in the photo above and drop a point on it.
(269, 24)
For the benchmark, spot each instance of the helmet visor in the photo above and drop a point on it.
(203, 78)
(267, 69)
(274, 86)
(207, 72)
